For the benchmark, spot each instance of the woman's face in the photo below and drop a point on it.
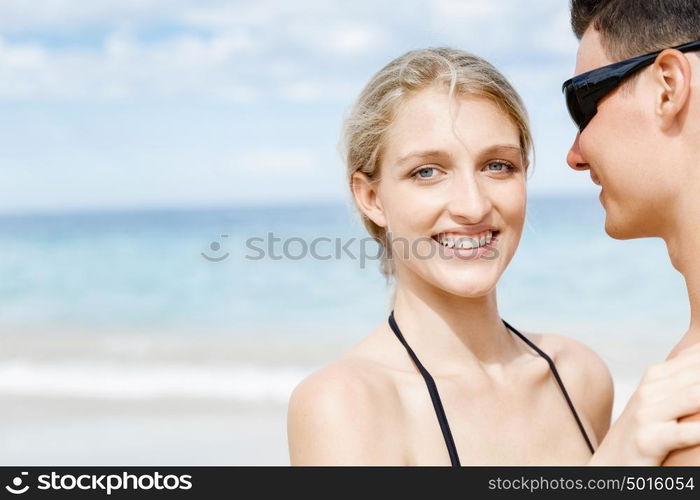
(452, 191)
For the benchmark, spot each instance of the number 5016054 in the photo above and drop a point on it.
(659, 483)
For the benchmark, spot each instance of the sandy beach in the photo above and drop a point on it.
(60, 419)
(72, 398)
(80, 431)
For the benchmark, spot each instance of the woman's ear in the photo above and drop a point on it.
(672, 72)
(365, 191)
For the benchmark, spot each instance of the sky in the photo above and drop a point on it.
(182, 103)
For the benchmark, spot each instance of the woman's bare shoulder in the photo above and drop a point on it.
(334, 414)
(350, 378)
(568, 350)
(585, 375)
(576, 359)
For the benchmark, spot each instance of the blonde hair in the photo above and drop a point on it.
(372, 114)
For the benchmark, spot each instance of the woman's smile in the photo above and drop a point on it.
(468, 247)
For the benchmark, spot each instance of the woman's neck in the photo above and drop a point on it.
(451, 330)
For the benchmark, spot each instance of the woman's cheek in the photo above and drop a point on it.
(514, 203)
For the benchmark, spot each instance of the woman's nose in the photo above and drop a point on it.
(469, 201)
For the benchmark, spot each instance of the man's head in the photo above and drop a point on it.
(642, 145)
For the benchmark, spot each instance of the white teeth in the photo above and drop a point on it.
(467, 242)
(447, 242)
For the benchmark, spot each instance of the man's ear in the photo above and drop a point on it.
(365, 192)
(672, 72)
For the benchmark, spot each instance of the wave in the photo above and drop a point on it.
(243, 382)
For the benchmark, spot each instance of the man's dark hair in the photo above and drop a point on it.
(630, 28)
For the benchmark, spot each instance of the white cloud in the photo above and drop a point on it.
(233, 52)
(341, 39)
(540, 27)
(288, 162)
(308, 90)
(555, 35)
(20, 15)
(237, 51)
(470, 10)
(123, 68)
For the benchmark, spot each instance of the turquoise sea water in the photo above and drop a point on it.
(145, 270)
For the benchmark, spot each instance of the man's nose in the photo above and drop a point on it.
(574, 158)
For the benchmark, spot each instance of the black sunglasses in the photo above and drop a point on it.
(585, 90)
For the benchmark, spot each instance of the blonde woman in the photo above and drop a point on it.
(437, 149)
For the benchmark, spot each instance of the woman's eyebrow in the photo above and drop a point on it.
(490, 150)
(420, 155)
(502, 149)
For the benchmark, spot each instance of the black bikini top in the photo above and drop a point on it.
(437, 404)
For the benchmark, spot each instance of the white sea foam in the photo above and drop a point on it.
(245, 382)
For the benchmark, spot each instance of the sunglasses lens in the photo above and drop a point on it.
(573, 105)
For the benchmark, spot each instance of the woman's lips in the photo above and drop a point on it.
(487, 250)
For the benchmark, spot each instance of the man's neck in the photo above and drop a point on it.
(685, 256)
(692, 336)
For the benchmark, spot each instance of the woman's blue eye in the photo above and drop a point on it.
(500, 166)
(423, 172)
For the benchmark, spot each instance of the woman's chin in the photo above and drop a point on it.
(466, 282)
(469, 285)
(470, 292)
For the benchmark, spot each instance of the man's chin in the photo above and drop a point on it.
(618, 230)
